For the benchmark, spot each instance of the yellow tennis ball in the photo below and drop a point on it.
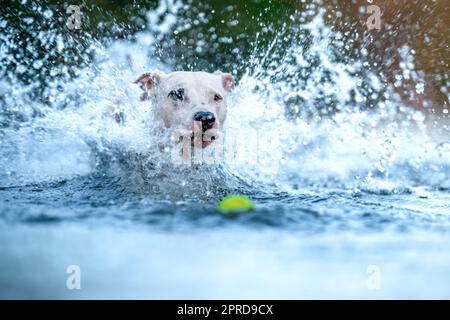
(236, 204)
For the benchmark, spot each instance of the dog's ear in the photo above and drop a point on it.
(147, 82)
(227, 81)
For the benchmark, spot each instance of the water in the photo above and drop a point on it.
(351, 183)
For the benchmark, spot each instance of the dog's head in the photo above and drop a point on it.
(190, 103)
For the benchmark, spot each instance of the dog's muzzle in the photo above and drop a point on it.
(196, 138)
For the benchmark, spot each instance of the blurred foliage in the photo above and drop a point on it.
(104, 21)
(232, 33)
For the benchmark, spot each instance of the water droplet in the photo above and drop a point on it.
(420, 88)
(37, 64)
(48, 14)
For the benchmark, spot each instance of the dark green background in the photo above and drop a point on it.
(259, 21)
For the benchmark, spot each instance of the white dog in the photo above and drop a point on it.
(193, 105)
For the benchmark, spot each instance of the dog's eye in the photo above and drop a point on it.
(177, 95)
(218, 97)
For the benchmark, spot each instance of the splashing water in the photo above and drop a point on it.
(323, 143)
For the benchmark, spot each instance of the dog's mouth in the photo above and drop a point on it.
(202, 142)
(197, 139)
(204, 139)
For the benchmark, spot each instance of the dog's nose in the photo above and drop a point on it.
(207, 119)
